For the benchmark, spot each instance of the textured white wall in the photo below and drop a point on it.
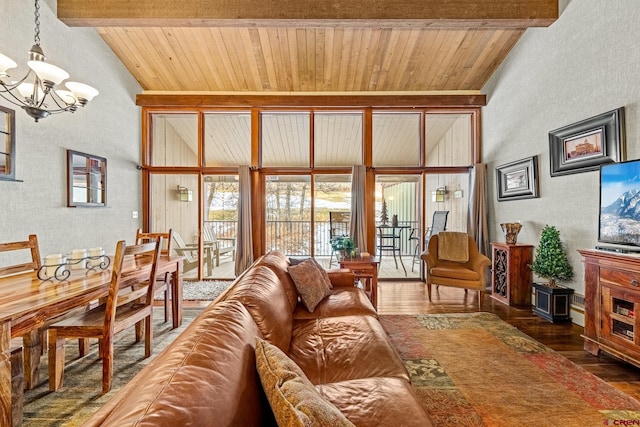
(586, 63)
(108, 127)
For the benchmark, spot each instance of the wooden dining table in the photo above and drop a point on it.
(26, 303)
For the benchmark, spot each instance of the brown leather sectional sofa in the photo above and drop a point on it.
(208, 375)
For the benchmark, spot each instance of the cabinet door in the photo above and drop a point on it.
(620, 316)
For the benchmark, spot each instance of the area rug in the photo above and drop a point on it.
(206, 290)
(474, 369)
(81, 394)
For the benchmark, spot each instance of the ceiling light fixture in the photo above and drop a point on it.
(36, 92)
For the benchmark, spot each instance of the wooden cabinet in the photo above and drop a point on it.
(511, 275)
(612, 304)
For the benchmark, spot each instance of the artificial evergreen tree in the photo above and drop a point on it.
(384, 217)
(551, 259)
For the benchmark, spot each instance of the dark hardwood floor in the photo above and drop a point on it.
(411, 298)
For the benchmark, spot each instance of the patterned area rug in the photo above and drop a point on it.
(81, 394)
(476, 370)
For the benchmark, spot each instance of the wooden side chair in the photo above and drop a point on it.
(163, 282)
(122, 309)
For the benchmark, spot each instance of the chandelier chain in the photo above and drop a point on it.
(36, 37)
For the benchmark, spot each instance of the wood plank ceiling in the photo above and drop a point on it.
(310, 46)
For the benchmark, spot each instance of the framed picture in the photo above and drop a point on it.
(585, 145)
(518, 180)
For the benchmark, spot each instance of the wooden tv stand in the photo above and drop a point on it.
(612, 304)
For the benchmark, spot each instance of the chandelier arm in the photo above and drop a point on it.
(13, 85)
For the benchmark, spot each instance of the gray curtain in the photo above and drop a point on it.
(477, 222)
(358, 230)
(244, 239)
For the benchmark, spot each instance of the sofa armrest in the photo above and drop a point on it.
(341, 277)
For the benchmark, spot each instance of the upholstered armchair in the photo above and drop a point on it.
(452, 259)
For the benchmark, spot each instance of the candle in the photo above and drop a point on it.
(52, 262)
(76, 256)
(96, 252)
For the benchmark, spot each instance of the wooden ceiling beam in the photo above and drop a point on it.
(178, 100)
(309, 13)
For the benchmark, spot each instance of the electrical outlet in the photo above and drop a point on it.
(134, 214)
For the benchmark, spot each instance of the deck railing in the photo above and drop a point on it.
(294, 237)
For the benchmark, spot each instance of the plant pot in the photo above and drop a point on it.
(552, 302)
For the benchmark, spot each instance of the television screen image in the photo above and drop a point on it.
(620, 203)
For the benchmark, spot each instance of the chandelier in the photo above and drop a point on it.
(36, 92)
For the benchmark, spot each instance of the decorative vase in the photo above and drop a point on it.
(394, 221)
(511, 230)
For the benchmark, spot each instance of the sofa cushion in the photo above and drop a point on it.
(342, 301)
(279, 263)
(293, 399)
(376, 402)
(312, 286)
(455, 272)
(207, 373)
(344, 348)
(262, 293)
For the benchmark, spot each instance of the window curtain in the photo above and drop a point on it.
(244, 237)
(477, 222)
(358, 230)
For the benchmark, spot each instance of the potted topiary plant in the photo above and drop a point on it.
(552, 302)
(343, 245)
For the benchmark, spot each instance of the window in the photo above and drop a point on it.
(227, 139)
(337, 139)
(396, 139)
(175, 140)
(285, 139)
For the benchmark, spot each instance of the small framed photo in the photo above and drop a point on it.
(585, 145)
(518, 180)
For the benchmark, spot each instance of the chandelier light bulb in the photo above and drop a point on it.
(48, 72)
(82, 91)
(26, 90)
(5, 64)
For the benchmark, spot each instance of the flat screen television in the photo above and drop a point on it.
(619, 221)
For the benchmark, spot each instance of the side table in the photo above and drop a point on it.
(365, 268)
(511, 275)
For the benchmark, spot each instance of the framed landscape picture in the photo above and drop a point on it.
(586, 145)
(518, 180)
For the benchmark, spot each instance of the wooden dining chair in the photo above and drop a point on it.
(122, 309)
(31, 245)
(163, 282)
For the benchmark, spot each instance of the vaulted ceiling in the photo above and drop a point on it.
(310, 46)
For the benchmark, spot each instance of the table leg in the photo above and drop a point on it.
(176, 297)
(5, 373)
(32, 352)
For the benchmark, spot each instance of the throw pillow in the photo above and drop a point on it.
(309, 283)
(293, 399)
(323, 273)
(296, 261)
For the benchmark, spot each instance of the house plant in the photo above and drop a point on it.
(344, 245)
(552, 302)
